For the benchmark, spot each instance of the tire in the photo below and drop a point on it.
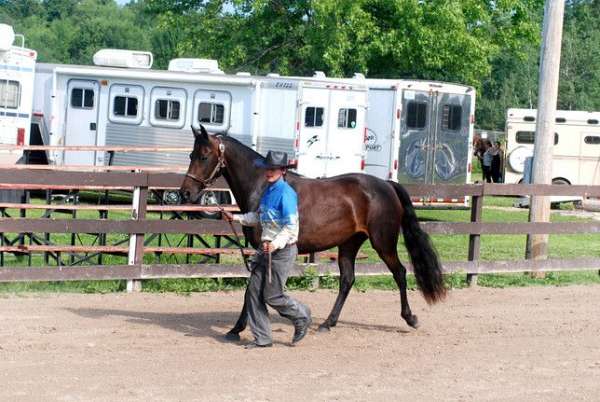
(560, 182)
(210, 198)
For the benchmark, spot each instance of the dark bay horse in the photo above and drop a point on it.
(340, 211)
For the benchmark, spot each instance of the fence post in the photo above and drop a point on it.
(136, 240)
(474, 239)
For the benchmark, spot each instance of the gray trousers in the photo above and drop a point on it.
(262, 293)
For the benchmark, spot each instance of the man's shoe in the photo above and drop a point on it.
(232, 337)
(301, 329)
(254, 345)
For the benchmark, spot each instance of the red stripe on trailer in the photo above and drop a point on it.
(20, 136)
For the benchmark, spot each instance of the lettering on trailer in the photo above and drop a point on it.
(11, 114)
(284, 85)
(312, 140)
(16, 68)
(372, 143)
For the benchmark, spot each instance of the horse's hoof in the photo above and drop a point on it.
(412, 321)
(324, 328)
(232, 337)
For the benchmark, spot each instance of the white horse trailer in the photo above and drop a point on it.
(420, 132)
(319, 124)
(576, 151)
(17, 66)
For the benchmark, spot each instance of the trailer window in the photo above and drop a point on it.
(211, 113)
(125, 106)
(82, 98)
(347, 118)
(313, 116)
(592, 139)
(416, 114)
(527, 137)
(10, 94)
(166, 109)
(451, 117)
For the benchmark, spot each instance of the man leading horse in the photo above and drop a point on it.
(277, 217)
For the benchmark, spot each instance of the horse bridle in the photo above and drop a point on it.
(215, 172)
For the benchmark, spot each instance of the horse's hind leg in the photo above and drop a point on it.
(346, 256)
(386, 249)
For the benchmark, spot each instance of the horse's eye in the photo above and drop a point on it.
(203, 157)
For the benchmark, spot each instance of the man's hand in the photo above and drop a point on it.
(268, 247)
(228, 216)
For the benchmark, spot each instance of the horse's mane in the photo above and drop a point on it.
(249, 153)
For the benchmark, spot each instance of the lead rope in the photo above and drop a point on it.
(237, 237)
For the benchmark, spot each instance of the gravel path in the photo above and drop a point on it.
(538, 343)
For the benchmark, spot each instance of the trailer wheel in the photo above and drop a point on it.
(171, 198)
(210, 198)
(562, 182)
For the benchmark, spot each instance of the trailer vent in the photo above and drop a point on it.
(359, 76)
(274, 75)
(7, 37)
(243, 74)
(319, 74)
(183, 65)
(123, 58)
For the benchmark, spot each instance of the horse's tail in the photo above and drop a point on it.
(423, 256)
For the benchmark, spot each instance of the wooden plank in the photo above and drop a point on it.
(105, 148)
(90, 168)
(221, 228)
(11, 178)
(540, 189)
(474, 239)
(46, 225)
(104, 207)
(153, 271)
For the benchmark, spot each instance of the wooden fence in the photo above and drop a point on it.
(139, 226)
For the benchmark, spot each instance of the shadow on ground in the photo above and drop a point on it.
(210, 324)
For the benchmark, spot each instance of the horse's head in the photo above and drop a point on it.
(206, 162)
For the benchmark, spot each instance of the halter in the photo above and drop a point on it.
(215, 172)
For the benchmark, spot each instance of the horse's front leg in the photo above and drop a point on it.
(234, 333)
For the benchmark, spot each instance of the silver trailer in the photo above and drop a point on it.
(122, 102)
(420, 132)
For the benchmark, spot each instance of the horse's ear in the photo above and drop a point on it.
(201, 133)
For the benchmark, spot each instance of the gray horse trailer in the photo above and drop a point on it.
(420, 132)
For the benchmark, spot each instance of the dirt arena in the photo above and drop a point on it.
(485, 344)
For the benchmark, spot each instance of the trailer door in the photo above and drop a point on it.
(81, 120)
(450, 139)
(416, 137)
(380, 134)
(313, 109)
(346, 136)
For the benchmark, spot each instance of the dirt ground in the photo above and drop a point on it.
(484, 344)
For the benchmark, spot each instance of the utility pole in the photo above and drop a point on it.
(537, 245)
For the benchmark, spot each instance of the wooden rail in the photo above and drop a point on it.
(139, 226)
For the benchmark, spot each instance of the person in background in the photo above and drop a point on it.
(486, 162)
(496, 167)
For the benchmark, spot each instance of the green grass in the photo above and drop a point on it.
(450, 248)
